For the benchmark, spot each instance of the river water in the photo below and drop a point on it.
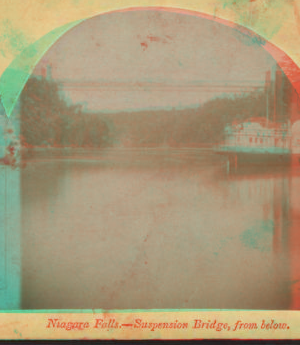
(128, 229)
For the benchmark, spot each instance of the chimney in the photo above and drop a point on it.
(268, 81)
(49, 72)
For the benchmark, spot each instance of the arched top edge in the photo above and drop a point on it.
(17, 73)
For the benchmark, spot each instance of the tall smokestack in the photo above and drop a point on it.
(268, 81)
(278, 94)
(267, 91)
(49, 72)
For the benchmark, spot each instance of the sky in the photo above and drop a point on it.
(146, 59)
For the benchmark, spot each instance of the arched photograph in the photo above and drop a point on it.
(157, 153)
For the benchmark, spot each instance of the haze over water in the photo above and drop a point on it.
(116, 228)
(157, 229)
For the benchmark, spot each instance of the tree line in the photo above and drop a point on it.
(48, 120)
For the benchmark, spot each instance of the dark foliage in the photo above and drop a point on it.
(47, 120)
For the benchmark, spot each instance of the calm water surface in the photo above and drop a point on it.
(158, 229)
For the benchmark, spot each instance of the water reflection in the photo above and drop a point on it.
(158, 229)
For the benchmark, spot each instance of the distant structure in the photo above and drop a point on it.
(49, 72)
(272, 138)
(45, 71)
